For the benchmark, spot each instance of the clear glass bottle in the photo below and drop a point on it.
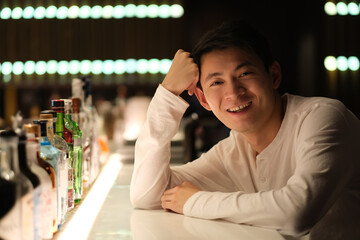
(60, 144)
(95, 150)
(47, 201)
(9, 146)
(10, 211)
(76, 164)
(24, 163)
(50, 155)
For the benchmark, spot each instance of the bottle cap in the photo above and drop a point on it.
(46, 116)
(49, 112)
(76, 104)
(57, 105)
(68, 104)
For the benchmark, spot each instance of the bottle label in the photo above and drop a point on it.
(63, 184)
(77, 142)
(27, 208)
(54, 210)
(10, 227)
(71, 194)
(86, 165)
(78, 157)
(47, 209)
(50, 130)
(37, 212)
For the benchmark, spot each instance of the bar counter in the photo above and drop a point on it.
(113, 217)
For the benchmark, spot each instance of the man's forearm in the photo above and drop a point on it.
(152, 174)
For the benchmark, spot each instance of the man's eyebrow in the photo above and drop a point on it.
(244, 64)
(215, 74)
(211, 75)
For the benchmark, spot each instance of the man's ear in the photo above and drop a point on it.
(275, 73)
(201, 97)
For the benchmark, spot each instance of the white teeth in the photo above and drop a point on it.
(239, 108)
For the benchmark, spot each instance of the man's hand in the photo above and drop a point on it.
(175, 198)
(183, 74)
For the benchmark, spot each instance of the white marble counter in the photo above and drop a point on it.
(118, 220)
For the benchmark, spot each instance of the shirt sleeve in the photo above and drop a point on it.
(152, 174)
(324, 166)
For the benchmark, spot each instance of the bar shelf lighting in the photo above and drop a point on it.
(342, 8)
(341, 63)
(95, 67)
(94, 12)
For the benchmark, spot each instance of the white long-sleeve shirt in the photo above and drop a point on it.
(307, 179)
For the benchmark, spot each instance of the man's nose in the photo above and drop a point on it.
(235, 89)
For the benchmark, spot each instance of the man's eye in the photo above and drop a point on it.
(244, 74)
(216, 83)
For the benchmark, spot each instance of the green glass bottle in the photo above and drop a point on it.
(72, 126)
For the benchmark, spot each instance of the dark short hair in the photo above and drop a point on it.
(234, 34)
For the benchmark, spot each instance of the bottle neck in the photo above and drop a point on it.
(50, 130)
(68, 116)
(32, 151)
(76, 118)
(9, 155)
(59, 125)
(23, 161)
(88, 101)
(67, 109)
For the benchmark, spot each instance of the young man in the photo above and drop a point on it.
(289, 164)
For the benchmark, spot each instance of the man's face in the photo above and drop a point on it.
(238, 89)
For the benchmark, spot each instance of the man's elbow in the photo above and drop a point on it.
(295, 230)
(297, 226)
(144, 202)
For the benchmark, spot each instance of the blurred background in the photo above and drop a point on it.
(127, 46)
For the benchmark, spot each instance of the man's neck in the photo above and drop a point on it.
(263, 137)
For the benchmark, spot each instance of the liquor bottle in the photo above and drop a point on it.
(35, 181)
(76, 164)
(76, 104)
(10, 210)
(59, 107)
(95, 158)
(78, 92)
(81, 88)
(50, 155)
(35, 162)
(60, 144)
(9, 142)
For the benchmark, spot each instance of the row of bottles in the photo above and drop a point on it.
(46, 164)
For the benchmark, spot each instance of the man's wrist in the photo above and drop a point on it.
(169, 88)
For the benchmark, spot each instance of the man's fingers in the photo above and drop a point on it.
(171, 190)
(192, 87)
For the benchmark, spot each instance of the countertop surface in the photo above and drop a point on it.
(117, 219)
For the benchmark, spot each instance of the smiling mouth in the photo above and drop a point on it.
(239, 108)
